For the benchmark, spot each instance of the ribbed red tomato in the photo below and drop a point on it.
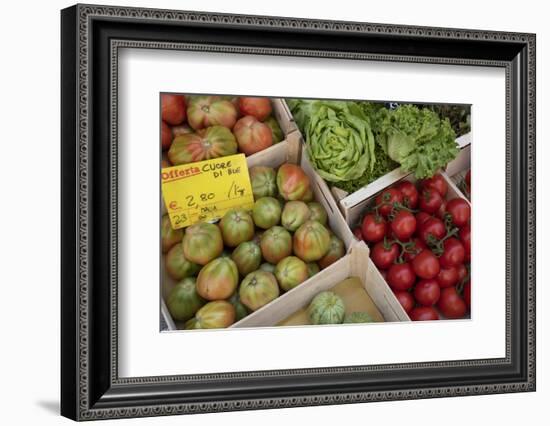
(252, 135)
(173, 109)
(257, 107)
(165, 136)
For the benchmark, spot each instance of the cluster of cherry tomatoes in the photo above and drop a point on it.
(420, 242)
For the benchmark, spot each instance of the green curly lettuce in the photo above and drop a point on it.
(301, 111)
(383, 165)
(339, 140)
(417, 139)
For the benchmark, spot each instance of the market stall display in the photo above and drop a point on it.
(344, 171)
(419, 235)
(200, 127)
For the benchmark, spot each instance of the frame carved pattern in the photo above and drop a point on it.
(86, 13)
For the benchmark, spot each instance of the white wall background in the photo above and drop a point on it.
(29, 212)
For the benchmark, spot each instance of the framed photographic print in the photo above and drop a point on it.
(263, 212)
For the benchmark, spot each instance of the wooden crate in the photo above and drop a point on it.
(357, 212)
(348, 202)
(379, 299)
(458, 168)
(288, 152)
(282, 114)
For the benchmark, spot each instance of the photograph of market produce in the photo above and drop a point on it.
(339, 212)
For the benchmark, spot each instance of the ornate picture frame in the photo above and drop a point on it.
(91, 37)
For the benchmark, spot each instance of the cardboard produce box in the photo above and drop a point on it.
(458, 168)
(289, 151)
(373, 295)
(356, 213)
(286, 122)
(348, 202)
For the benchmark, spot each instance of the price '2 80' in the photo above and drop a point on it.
(205, 196)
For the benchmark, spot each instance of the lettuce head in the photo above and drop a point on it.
(417, 139)
(339, 140)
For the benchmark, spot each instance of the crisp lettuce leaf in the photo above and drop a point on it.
(383, 165)
(339, 141)
(417, 139)
(353, 143)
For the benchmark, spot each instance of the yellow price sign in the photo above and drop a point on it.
(205, 190)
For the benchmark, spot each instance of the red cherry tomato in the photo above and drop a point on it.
(426, 265)
(434, 227)
(447, 277)
(406, 300)
(165, 136)
(416, 246)
(401, 276)
(426, 292)
(403, 225)
(436, 182)
(410, 194)
(467, 293)
(453, 253)
(459, 209)
(468, 177)
(424, 313)
(422, 217)
(358, 233)
(430, 200)
(462, 272)
(464, 235)
(384, 273)
(389, 233)
(383, 258)
(173, 109)
(451, 304)
(373, 228)
(440, 213)
(386, 199)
